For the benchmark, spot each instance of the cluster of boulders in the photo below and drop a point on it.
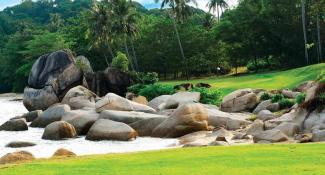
(60, 101)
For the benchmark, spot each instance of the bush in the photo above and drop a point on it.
(209, 96)
(120, 62)
(266, 96)
(286, 103)
(300, 98)
(149, 77)
(155, 90)
(277, 97)
(136, 88)
(321, 77)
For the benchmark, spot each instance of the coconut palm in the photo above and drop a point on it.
(217, 6)
(180, 11)
(100, 27)
(125, 26)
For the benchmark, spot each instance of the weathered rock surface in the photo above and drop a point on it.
(159, 103)
(114, 102)
(51, 77)
(240, 100)
(63, 153)
(146, 126)
(110, 81)
(81, 120)
(16, 157)
(273, 135)
(20, 144)
(79, 97)
(31, 116)
(59, 130)
(314, 121)
(230, 121)
(186, 119)
(296, 116)
(262, 106)
(52, 114)
(289, 129)
(14, 125)
(181, 98)
(104, 129)
(318, 135)
(255, 128)
(265, 115)
(127, 116)
(289, 93)
(84, 64)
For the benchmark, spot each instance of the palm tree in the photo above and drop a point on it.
(303, 17)
(55, 22)
(125, 26)
(180, 11)
(99, 27)
(217, 6)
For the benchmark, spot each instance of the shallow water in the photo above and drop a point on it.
(80, 146)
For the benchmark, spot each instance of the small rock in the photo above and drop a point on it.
(265, 115)
(289, 129)
(16, 157)
(14, 125)
(271, 136)
(255, 128)
(19, 144)
(31, 116)
(58, 131)
(63, 153)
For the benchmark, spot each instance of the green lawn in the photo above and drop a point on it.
(252, 159)
(268, 81)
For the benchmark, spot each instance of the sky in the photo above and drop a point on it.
(147, 3)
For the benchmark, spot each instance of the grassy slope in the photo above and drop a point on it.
(251, 159)
(269, 81)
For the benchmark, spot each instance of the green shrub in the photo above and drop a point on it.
(149, 78)
(209, 96)
(321, 76)
(120, 62)
(155, 90)
(136, 88)
(300, 98)
(266, 96)
(277, 97)
(286, 103)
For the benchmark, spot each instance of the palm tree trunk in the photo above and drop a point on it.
(303, 13)
(180, 46)
(319, 41)
(134, 55)
(128, 54)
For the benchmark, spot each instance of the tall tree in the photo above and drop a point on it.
(100, 28)
(217, 6)
(180, 11)
(303, 17)
(125, 26)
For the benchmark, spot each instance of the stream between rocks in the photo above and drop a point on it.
(45, 148)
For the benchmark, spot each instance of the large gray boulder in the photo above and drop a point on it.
(289, 129)
(52, 114)
(79, 97)
(181, 98)
(81, 120)
(315, 120)
(240, 100)
(273, 135)
(104, 129)
(296, 116)
(262, 106)
(146, 126)
(39, 99)
(255, 128)
(159, 103)
(31, 116)
(127, 116)
(14, 125)
(59, 130)
(187, 118)
(265, 115)
(230, 121)
(318, 135)
(52, 75)
(114, 102)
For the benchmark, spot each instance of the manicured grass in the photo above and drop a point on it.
(252, 159)
(268, 81)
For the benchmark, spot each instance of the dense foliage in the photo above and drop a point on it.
(261, 34)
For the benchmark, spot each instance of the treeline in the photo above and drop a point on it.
(264, 34)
